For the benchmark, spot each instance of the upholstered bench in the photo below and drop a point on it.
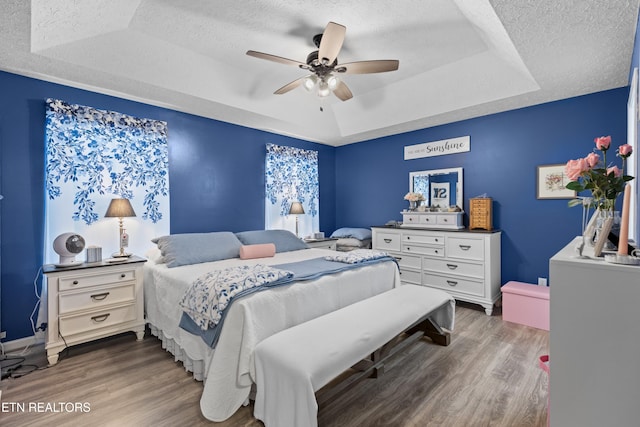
(292, 365)
(526, 304)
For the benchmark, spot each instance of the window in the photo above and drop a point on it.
(291, 176)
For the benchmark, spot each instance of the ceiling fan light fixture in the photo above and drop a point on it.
(323, 89)
(332, 82)
(309, 82)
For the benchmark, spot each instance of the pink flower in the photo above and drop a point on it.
(625, 150)
(592, 159)
(575, 168)
(603, 143)
(616, 171)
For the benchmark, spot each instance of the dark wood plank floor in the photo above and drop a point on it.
(488, 376)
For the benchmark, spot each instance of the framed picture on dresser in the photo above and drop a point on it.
(551, 183)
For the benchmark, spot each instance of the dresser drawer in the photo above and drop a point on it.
(429, 239)
(454, 267)
(83, 281)
(71, 301)
(410, 276)
(75, 324)
(388, 242)
(428, 219)
(454, 284)
(411, 219)
(408, 261)
(465, 248)
(423, 250)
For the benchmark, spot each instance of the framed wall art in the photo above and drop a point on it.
(551, 183)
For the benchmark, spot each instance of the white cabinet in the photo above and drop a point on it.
(93, 300)
(464, 263)
(594, 341)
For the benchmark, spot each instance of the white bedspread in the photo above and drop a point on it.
(229, 370)
(292, 365)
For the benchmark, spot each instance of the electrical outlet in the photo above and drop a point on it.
(3, 335)
(542, 281)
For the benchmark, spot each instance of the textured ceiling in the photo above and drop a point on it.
(458, 59)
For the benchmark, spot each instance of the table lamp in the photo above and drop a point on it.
(120, 208)
(296, 209)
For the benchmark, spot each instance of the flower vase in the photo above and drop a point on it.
(414, 204)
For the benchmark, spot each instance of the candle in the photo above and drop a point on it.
(624, 224)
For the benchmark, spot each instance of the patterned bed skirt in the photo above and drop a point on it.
(197, 367)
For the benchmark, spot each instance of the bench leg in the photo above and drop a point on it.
(433, 331)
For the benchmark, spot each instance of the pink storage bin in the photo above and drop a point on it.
(526, 304)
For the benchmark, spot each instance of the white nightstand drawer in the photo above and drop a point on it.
(410, 276)
(85, 280)
(454, 267)
(435, 239)
(465, 248)
(70, 325)
(409, 261)
(456, 284)
(423, 250)
(74, 301)
(388, 242)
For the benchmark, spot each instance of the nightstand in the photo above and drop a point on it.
(93, 300)
(327, 243)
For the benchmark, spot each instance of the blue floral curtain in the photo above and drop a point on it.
(93, 156)
(291, 175)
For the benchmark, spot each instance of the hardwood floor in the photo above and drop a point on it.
(487, 376)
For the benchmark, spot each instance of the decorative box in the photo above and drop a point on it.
(480, 213)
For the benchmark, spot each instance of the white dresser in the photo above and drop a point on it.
(93, 300)
(464, 263)
(594, 341)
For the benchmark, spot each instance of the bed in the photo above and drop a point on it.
(228, 369)
(350, 238)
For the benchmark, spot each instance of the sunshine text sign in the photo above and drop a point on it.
(438, 148)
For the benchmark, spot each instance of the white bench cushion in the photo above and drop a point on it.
(293, 364)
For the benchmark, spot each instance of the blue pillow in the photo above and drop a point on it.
(284, 240)
(356, 233)
(194, 248)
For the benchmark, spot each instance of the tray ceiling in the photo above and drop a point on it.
(458, 59)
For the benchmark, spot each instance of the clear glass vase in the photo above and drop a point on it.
(603, 215)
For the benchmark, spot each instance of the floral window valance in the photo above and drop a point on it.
(291, 175)
(105, 152)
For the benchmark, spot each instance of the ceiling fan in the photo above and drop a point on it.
(324, 67)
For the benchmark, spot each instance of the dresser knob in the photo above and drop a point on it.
(75, 282)
(123, 275)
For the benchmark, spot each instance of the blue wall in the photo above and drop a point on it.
(506, 149)
(216, 178)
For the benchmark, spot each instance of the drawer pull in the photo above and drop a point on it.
(408, 248)
(408, 237)
(398, 258)
(387, 240)
(452, 266)
(122, 275)
(452, 282)
(436, 239)
(75, 282)
(445, 219)
(436, 251)
(101, 318)
(100, 297)
(465, 247)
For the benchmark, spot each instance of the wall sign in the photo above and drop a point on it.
(438, 148)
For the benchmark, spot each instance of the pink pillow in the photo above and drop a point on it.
(263, 250)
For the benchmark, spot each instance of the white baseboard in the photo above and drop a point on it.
(19, 344)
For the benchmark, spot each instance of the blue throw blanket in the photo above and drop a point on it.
(294, 272)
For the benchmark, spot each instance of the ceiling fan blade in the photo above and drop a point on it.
(342, 92)
(275, 58)
(331, 42)
(289, 86)
(367, 67)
